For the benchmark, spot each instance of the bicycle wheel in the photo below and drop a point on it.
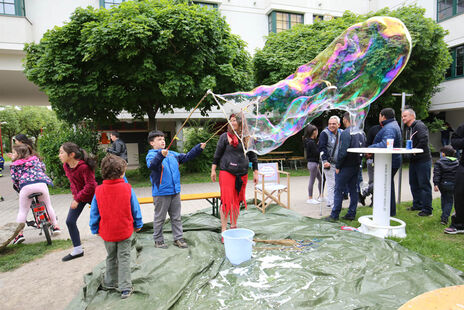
(46, 230)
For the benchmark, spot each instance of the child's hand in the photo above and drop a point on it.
(435, 188)
(203, 145)
(74, 204)
(164, 153)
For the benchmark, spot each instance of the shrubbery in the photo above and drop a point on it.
(49, 148)
(197, 134)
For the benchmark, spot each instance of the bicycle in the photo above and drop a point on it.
(41, 218)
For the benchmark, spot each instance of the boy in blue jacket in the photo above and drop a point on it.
(165, 180)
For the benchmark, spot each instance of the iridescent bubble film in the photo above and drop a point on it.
(350, 74)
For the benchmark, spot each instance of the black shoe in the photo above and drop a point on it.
(422, 213)
(349, 218)
(70, 257)
(362, 199)
(330, 219)
(161, 245)
(181, 243)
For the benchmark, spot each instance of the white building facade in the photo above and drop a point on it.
(23, 21)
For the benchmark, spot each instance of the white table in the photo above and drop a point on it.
(379, 223)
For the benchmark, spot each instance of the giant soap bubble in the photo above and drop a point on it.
(350, 74)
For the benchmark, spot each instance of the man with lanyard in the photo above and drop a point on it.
(329, 141)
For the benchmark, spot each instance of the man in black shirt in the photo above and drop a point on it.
(118, 147)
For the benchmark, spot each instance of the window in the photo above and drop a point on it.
(449, 8)
(457, 66)
(317, 18)
(110, 3)
(280, 21)
(12, 7)
(208, 5)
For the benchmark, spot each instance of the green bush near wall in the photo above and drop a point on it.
(49, 147)
(195, 134)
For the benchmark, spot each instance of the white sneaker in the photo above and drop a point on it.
(321, 199)
(312, 201)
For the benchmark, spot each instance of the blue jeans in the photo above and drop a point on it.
(346, 178)
(447, 199)
(71, 222)
(421, 189)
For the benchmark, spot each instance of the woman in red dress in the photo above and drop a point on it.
(233, 171)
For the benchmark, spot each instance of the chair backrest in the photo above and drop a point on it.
(270, 171)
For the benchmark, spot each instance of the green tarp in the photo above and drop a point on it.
(336, 269)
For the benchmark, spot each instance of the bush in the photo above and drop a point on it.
(49, 147)
(197, 134)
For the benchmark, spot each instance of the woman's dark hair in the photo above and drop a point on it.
(79, 154)
(112, 167)
(309, 130)
(23, 150)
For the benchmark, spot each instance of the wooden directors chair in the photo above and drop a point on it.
(269, 186)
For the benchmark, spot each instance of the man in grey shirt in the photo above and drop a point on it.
(118, 147)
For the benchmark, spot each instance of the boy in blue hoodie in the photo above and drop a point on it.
(165, 181)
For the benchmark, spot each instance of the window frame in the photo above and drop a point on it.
(19, 9)
(208, 5)
(272, 20)
(453, 52)
(102, 4)
(454, 10)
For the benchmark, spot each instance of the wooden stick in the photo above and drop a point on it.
(207, 93)
(217, 132)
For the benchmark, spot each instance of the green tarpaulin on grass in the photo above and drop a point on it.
(336, 269)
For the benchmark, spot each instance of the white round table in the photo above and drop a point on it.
(379, 223)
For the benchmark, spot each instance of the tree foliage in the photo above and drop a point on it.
(286, 51)
(143, 57)
(29, 120)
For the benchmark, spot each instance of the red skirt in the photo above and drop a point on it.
(230, 198)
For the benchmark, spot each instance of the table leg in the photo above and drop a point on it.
(382, 189)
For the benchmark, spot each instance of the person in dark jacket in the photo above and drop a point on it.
(420, 164)
(347, 170)
(233, 171)
(390, 130)
(80, 170)
(312, 155)
(165, 181)
(118, 147)
(457, 220)
(444, 179)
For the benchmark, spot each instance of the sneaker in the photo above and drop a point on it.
(19, 239)
(453, 231)
(422, 213)
(321, 199)
(444, 222)
(56, 230)
(71, 257)
(313, 201)
(362, 199)
(330, 219)
(161, 245)
(349, 218)
(126, 293)
(181, 243)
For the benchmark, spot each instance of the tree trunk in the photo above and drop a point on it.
(152, 110)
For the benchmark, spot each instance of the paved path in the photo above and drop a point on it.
(298, 197)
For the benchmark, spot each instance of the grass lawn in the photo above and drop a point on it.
(425, 235)
(16, 255)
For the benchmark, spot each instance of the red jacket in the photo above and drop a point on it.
(114, 206)
(82, 180)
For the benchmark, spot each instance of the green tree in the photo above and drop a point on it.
(29, 120)
(143, 57)
(286, 51)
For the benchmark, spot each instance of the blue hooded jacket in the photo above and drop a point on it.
(165, 174)
(390, 130)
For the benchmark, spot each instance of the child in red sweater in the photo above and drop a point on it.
(114, 215)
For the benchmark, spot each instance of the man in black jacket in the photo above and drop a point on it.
(118, 147)
(420, 164)
(347, 171)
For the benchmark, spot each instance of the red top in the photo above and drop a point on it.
(114, 205)
(82, 180)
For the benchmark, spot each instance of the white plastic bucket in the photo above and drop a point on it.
(238, 244)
